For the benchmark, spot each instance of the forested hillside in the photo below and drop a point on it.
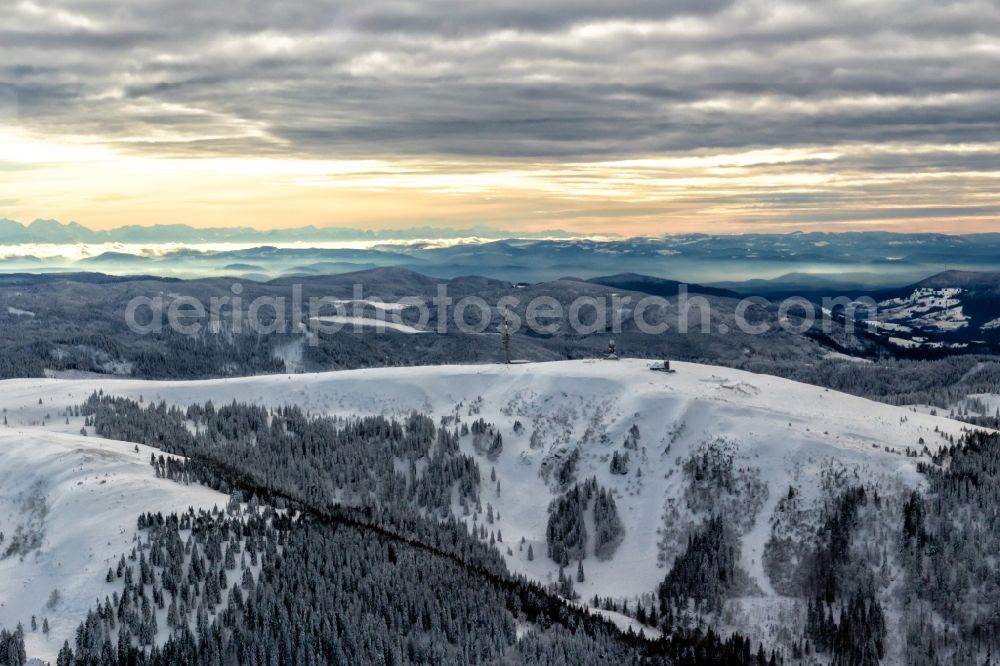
(705, 506)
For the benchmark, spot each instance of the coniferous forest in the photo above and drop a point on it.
(290, 577)
(343, 543)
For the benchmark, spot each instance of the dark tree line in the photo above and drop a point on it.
(327, 464)
(854, 636)
(949, 539)
(827, 569)
(164, 355)
(12, 646)
(941, 382)
(327, 592)
(704, 572)
(566, 532)
(845, 618)
(619, 463)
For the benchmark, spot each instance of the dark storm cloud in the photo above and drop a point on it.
(526, 79)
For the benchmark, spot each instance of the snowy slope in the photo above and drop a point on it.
(927, 308)
(789, 433)
(76, 500)
(356, 323)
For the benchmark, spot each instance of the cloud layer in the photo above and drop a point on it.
(870, 107)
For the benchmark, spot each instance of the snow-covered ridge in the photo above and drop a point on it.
(68, 510)
(992, 324)
(789, 432)
(937, 309)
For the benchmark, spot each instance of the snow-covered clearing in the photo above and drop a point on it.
(889, 326)
(377, 305)
(378, 324)
(925, 308)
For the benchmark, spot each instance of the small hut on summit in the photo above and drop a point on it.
(663, 366)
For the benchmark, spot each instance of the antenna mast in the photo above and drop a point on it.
(506, 335)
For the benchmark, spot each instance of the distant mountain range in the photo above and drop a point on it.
(773, 265)
(53, 231)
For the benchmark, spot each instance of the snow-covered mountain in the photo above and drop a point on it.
(778, 434)
(68, 510)
(805, 262)
(947, 311)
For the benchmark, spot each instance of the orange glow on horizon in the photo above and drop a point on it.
(807, 188)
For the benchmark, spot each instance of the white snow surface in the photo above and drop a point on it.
(790, 432)
(82, 496)
(925, 308)
(377, 305)
(990, 400)
(368, 321)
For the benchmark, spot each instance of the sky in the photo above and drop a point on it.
(632, 117)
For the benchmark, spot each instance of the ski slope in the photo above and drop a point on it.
(789, 433)
(73, 502)
(356, 323)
